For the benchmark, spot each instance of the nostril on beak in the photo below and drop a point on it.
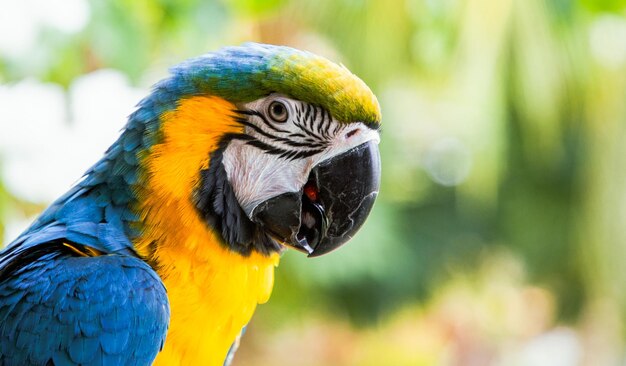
(352, 133)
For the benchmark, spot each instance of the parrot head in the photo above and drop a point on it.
(296, 162)
(302, 177)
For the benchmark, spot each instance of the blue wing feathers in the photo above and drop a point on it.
(110, 309)
(61, 309)
(85, 228)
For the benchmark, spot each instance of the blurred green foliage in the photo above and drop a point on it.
(522, 87)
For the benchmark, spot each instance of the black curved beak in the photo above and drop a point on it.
(330, 208)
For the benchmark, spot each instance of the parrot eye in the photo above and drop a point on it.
(278, 111)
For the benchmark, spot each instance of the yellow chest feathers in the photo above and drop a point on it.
(212, 290)
(210, 302)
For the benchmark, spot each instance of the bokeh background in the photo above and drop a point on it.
(499, 235)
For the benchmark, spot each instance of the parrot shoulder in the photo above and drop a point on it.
(66, 303)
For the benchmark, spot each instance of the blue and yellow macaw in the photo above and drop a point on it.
(177, 229)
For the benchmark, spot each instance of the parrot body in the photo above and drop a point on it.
(165, 247)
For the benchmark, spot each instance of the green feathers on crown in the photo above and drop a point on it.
(252, 71)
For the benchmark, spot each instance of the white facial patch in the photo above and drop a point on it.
(281, 147)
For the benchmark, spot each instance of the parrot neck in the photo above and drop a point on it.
(212, 289)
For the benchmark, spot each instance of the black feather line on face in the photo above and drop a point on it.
(262, 117)
(279, 139)
(217, 204)
(314, 113)
(313, 144)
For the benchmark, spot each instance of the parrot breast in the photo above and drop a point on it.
(213, 291)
